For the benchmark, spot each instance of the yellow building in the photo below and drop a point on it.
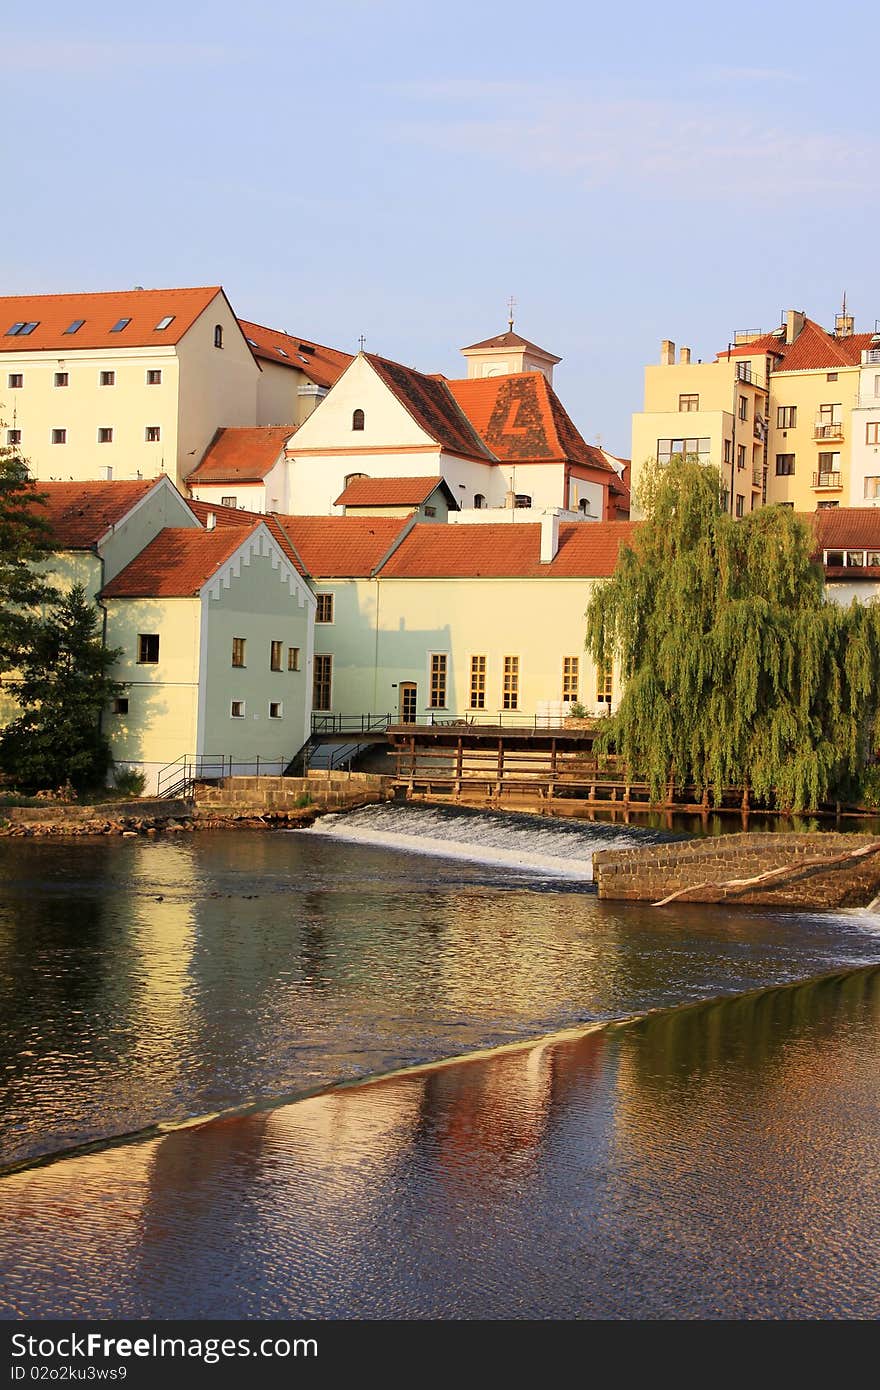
(132, 384)
(773, 412)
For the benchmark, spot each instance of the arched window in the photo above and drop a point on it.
(523, 499)
(357, 420)
(218, 335)
(479, 501)
(584, 507)
(352, 477)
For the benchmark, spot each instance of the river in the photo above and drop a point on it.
(672, 1112)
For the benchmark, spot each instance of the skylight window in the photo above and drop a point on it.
(119, 325)
(282, 352)
(75, 326)
(252, 343)
(15, 329)
(303, 359)
(164, 322)
(28, 328)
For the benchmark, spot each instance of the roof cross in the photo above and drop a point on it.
(511, 305)
(362, 340)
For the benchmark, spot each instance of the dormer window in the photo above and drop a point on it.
(353, 477)
(357, 420)
(218, 335)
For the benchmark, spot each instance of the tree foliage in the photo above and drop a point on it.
(62, 687)
(737, 671)
(24, 541)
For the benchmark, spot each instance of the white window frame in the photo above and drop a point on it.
(447, 656)
(242, 704)
(279, 705)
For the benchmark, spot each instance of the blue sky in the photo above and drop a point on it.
(398, 169)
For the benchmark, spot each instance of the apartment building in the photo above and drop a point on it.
(134, 384)
(774, 412)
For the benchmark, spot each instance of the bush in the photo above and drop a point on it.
(129, 782)
(577, 710)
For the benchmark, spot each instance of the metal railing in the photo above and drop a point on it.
(495, 719)
(746, 374)
(352, 723)
(830, 480)
(828, 430)
(177, 779)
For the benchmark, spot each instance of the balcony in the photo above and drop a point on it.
(744, 373)
(828, 429)
(757, 477)
(826, 481)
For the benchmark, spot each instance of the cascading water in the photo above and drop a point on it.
(526, 844)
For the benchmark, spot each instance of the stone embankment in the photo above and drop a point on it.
(237, 801)
(823, 871)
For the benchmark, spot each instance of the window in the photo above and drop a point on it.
(785, 465)
(276, 709)
(523, 500)
(829, 463)
(740, 504)
(120, 704)
(59, 436)
(570, 671)
(357, 420)
(228, 501)
(323, 682)
(479, 501)
(437, 698)
(75, 326)
(785, 504)
(510, 687)
(238, 646)
(826, 506)
(872, 488)
(293, 658)
(218, 335)
(728, 450)
(107, 474)
(119, 325)
(275, 652)
(105, 434)
(62, 379)
(831, 376)
(688, 403)
(324, 612)
(856, 558)
(725, 499)
(22, 329)
(429, 510)
(743, 408)
(786, 417)
(740, 455)
(478, 682)
(16, 381)
(154, 376)
(164, 323)
(237, 709)
(13, 436)
(14, 329)
(148, 648)
(353, 477)
(667, 448)
(152, 434)
(830, 413)
(107, 378)
(604, 682)
(872, 432)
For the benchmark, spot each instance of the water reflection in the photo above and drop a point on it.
(713, 1161)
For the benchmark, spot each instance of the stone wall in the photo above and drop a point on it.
(60, 813)
(260, 795)
(707, 869)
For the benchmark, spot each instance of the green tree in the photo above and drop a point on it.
(25, 539)
(737, 671)
(62, 688)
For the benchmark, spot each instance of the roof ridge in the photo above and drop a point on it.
(74, 294)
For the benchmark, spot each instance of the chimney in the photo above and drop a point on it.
(684, 357)
(210, 521)
(510, 500)
(549, 537)
(794, 322)
(844, 325)
(667, 353)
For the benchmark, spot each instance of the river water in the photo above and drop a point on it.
(675, 1111)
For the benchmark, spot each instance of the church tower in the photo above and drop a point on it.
(507, 353)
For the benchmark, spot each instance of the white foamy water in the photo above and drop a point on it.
(526, 844)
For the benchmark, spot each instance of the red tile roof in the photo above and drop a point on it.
(430, 403)
(507, 550)
(812, 350)
(390, 492)
(845, 528)
(337, 547)
(511, 339)
(523, 420)
(234, 516)
(54, 313)
(177, 562)
(79, 514)
(322, 365)
(242, 454)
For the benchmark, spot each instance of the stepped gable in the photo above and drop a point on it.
(391, 492)
(178, 562)
(507, 550)
(79, 514)
(241, 454)
(322, 365)
(343, 547)
(235, 516)
(54, 314)
(522, 420)
(432, 406)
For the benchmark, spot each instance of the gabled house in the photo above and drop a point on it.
(429, 499)
(245, 467)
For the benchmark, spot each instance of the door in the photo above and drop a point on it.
(408, 702)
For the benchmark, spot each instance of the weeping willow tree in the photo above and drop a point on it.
(736, 670)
